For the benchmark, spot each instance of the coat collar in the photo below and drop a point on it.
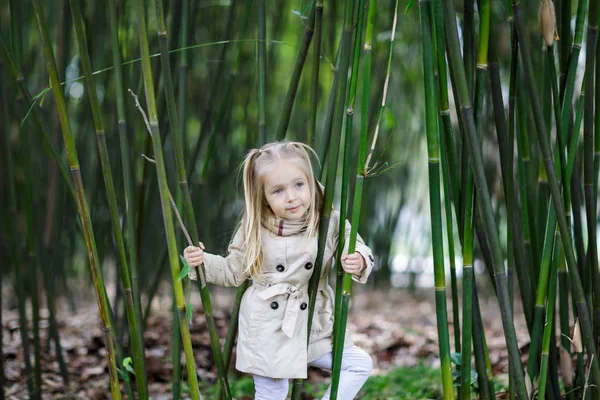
(283, 227)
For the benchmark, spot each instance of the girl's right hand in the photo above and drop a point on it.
(193, 255)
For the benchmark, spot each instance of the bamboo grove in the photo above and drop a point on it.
(544, 239)
(175, 92)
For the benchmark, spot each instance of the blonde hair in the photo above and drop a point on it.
(254, 168)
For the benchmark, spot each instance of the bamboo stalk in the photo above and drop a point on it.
(484, 203)
(8, 218)
(345, 43)
(163, 190)
(515, 244)
(262, 71)
(548, 331)
(128, 184)
(343, 282)
(231, 331)
(588, 163)
(323, 149)
(81, 200)
(135, 336)
(183, 186)
(447, 147)
(290, 97)
(32, 263)
(314, 90)
(434, 201)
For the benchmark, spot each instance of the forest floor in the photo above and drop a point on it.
(397, 327)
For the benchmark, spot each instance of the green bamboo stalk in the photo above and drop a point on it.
(345, 43)
(323, 149)
(175, 352)
(515, 244)
(582, 309)
(484, 203)
(262, 71)
(597, 124)
(447, 147)
(32, 264)
(290, 96)
(343, 288)
(183, 66)
(563, 17)
(232, 331)
(588, 162)
(153, 128)
(8, 218)
(548, 331)
(135, 336)
(128, 184)
(182, 108)
(465, 387)
(483, 363)
(523, 171)
(183, 186)
(82, 206)
(314, 89)
(434, 201)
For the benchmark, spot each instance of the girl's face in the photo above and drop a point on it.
(287, 191)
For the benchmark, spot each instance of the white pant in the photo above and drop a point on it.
(356, 368)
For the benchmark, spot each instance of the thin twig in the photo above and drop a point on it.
(175, 209)
(385, 91)
(199, 271)
(139, 107)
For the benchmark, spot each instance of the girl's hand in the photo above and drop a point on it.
(193, 255)
(354, 263)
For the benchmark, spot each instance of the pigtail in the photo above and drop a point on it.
(251, 219)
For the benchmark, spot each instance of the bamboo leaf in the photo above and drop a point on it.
(456, 358)
(127, 362)
(185, 270)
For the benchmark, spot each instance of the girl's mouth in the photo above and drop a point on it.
(294, 209)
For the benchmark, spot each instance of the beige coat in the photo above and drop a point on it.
(274, 310)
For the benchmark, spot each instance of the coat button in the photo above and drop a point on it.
(303, 306)
(308, 265)
(274, 305)
(280, 268)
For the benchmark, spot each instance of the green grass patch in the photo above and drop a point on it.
(414, 383)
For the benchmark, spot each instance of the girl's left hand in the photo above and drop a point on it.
(353, 263)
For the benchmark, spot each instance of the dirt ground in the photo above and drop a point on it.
(397, 327)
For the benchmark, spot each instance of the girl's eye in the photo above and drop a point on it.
(299, 184)
(276, 191)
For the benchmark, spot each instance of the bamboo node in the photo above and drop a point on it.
(482, 66)
(445, 112)
(440, 288)
(367, 47)
(162, 33)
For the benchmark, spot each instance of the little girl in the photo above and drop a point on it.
(276, 247)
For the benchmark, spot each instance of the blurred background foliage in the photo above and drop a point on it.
(395, 218)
